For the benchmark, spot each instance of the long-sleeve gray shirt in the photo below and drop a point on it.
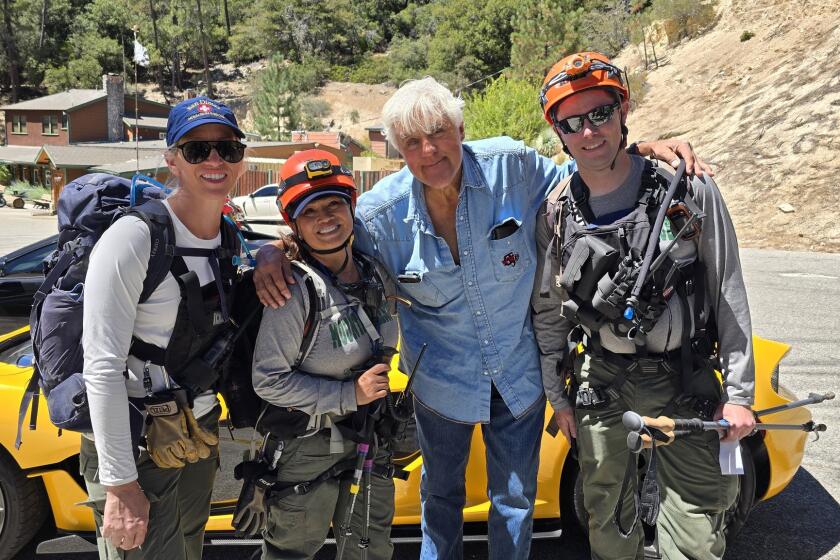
(716, 248)
(323, 383)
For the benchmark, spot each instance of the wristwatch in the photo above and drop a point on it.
(633, 149)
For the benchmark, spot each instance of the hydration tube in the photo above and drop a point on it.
(237, 259)
(140, 182)
(653, 240)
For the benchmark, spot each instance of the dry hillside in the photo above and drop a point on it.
(765, 112)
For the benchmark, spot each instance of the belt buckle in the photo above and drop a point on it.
(301, 488)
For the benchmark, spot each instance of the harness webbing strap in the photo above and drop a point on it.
(147, 352)
(30, 394)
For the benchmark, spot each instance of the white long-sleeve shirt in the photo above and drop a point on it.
(113, 284)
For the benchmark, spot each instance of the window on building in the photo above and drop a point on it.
(18, 124)
(49, 125)
(64, 120)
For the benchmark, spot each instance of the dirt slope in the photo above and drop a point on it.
(765, 112)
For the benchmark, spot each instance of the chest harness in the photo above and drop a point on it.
(368, 424)
(201, 323)
(616, 276)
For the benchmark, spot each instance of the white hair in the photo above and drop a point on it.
(420, 106)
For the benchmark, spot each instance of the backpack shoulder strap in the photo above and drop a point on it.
(156, 217)
(556, 211)
(555, 199)
(316, 293)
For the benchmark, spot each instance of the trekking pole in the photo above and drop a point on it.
(362, 450)
(345, 529)
(364, 541)
(653, 241)
(644, 430)
(813, 398)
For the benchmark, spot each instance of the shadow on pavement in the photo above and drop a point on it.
(802, 522)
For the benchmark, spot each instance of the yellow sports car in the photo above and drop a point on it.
(41, 479)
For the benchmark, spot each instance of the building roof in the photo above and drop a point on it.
(80, 156)
(145, 164)
(154, 123)
(159, 145)
(69, 100)
(64, 101)
(375, 127)
(19, 154)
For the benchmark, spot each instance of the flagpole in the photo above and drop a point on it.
(136, 118)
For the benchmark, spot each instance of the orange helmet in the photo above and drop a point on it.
(575, 73)
(308, 175)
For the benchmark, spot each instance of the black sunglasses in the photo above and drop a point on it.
(196, 151)
(597, 116)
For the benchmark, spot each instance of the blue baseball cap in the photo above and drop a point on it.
(197, 111)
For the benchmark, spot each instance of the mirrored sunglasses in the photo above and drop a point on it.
(597, 116)
(196, 151)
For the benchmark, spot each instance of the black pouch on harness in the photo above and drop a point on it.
(590, 260)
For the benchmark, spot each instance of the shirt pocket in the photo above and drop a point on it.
(435, 288)
(510, 255)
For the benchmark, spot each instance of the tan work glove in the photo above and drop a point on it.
(167, 436)
(201, 439)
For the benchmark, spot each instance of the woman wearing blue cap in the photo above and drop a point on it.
(153, 501)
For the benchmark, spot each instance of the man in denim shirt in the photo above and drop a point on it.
(455, 228)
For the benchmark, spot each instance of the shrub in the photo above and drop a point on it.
(354, 116)
(371, 70)
(684, 19)
(747, 35)
(508, 107)
(637, 84)
(5, 175)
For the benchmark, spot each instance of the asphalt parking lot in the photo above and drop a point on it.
(795, 297)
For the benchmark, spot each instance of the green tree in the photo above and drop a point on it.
(543, 32)
(84, 72)
(333, 30)
(277, 98)
(507, 107)
(470, 40)
(607, 29)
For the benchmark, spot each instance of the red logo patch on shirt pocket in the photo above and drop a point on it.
(510, 259)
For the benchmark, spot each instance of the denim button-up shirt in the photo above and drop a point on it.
(475, 317)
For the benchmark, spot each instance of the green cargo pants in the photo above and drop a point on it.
(298, 524)
(179, 502)
(694, 493)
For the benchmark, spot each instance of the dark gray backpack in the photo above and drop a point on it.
(86, 208)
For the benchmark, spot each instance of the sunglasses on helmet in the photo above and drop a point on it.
(597, 116)
(196, 151)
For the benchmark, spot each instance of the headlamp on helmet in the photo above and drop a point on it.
(318, 168)
(308, 173)
(576, 73)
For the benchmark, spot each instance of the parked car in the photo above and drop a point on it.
(22, 271)
(260, 203)
(42, 479)
(260, 210)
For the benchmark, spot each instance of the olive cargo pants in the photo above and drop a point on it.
(179, 502)
(694, 493)
(298, 524)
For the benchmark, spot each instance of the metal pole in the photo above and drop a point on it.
(136, 94)
(813, 398)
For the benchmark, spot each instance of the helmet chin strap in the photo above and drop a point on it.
(326, 251)
(621, 145)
